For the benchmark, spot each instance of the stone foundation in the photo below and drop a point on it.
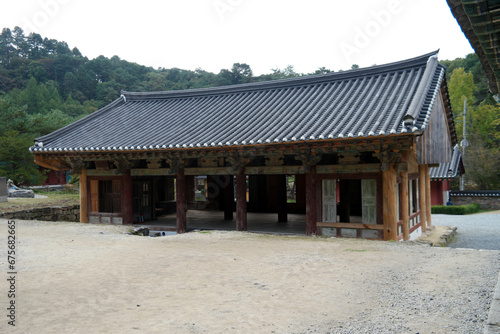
(67, 213)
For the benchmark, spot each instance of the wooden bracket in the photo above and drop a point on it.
(308, 160)
(237, 163)
(275, 160)
(175, 164)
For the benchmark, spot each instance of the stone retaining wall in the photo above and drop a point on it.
(67, 213)
(486, 200)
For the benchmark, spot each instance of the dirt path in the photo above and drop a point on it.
(83, 278)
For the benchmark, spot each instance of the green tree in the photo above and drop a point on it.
(43, 123)
(12, 116)
(482, 165)
(461, 87)
(485, 121)
(16, 162)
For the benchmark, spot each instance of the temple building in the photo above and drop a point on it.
(348, 153)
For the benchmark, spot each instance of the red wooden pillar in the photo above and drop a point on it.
(84, 218)
(181, 201)
(311, 201)
(126, 198)
(282, 199)
(241, 201)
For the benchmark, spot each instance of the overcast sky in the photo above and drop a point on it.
(265, 34)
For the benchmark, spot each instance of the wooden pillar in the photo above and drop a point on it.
(228, 197)
(126, 199)
(282, 199)
(390, 214)
(241, 201)
(405, 206)
(428, 195)
(422, 198)
(84, 217)
(300, 193)
(181, 201)
(311, 201)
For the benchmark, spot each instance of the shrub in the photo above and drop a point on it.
(456, 209)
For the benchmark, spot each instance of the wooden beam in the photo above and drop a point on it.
(151, 172)
(181, 201)
(403, 198)
(389, 204)
(311, 201)
(422, 199)
(126, 199)
(95, 172)
(352, 225)
(83, 197)
(428, 195)
(288, 170)
(341, 169)
(54, 164)
(209, 171)
(241, 201)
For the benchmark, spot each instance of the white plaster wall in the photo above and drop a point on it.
(417, 233)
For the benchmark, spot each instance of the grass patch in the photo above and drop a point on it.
(355, 250)
(52, 200)
(205, 232)
(456, 209)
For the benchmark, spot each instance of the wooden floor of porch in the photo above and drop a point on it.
(214, 220)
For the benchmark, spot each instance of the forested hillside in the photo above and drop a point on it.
(45, 85)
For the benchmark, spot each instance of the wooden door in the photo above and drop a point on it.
(142, 199)
(329, 200)
(94, 195)
(369, 201)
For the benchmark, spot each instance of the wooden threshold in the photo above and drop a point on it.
(351, 225)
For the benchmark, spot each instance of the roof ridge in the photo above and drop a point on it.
(282, 83)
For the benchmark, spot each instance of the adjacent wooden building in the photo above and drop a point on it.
(359, 144)
(442, 175)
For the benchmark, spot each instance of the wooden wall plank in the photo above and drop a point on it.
(435, 144)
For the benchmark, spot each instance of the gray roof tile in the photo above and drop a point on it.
(366, 102)
(448, 170)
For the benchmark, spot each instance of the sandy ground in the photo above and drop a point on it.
(84, 278)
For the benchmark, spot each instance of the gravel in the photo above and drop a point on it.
(406, 297)
(255, 283)
(479, 231)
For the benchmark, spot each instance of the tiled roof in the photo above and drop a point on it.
(449, 170)
(377, 101)
(480, 23)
